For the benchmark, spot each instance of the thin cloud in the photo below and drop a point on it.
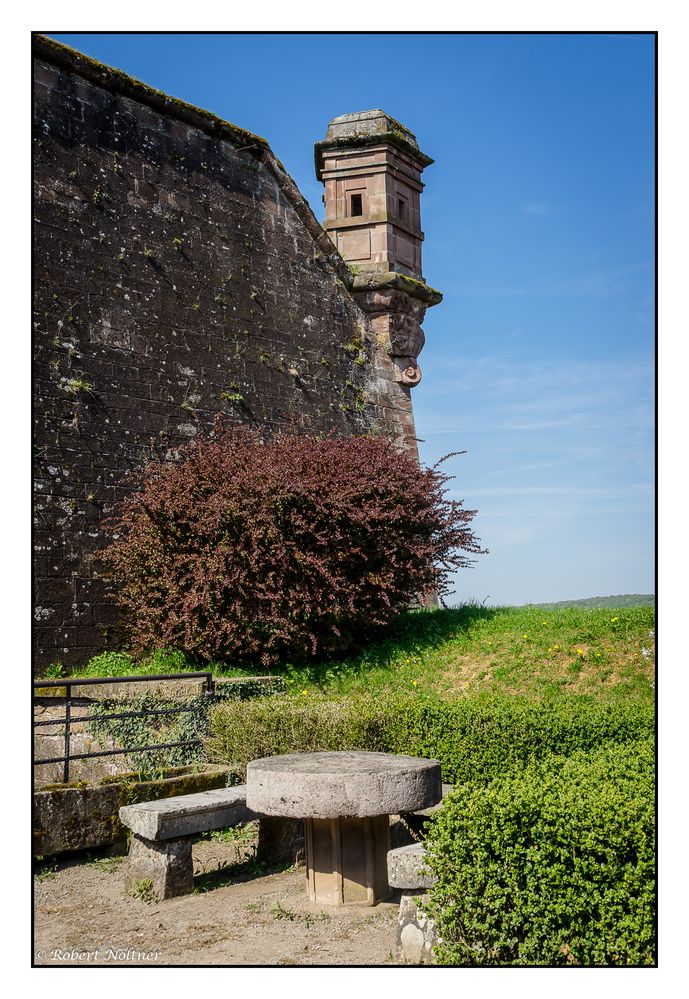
(598, 285)
(536, 208)
(501, 394)
(607, 492)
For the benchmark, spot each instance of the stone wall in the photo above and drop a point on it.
(67, 818)
(178, 274)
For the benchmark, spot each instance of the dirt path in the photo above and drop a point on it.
(82, 916)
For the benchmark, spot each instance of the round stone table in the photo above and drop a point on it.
(345, 800)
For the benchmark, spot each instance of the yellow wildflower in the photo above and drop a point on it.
(304, 692)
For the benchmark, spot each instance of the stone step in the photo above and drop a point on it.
(407, 868)
(188, 814)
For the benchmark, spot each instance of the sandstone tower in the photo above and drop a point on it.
(371, 167)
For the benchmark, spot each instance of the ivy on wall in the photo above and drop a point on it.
(151, 727)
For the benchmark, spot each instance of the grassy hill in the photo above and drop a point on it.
(607, 654)
(622, 600)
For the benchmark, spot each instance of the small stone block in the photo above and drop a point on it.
(167, 865)
(416, 932)
(407, 867)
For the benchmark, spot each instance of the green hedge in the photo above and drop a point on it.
(239, 733)
(551, 867)
(475, 739)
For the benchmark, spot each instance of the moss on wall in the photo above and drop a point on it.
(70, 817)
(173, 257)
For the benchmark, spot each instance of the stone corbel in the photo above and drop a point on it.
(396, 317)
(406, 341)
(407, 371)
(396, 305)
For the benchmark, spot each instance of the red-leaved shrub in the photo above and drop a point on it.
(249, 550)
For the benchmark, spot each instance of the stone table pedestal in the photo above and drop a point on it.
(345, 800)
(346, 860)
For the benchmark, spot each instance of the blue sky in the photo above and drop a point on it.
(538, 214)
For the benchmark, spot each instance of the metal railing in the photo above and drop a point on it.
(70, 720)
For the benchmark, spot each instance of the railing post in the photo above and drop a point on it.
(68, 712)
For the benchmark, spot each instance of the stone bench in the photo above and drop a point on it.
(416, 932)
(160, 847)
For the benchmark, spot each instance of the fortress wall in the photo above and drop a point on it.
(177, 275)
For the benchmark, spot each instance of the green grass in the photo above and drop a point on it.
(44, 868)
(160, 661)
(242, 834)
(143, 890)
(278, 911)
(605, 652)
(108, 865)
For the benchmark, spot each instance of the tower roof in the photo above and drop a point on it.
(368, 128)
(364, 123)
